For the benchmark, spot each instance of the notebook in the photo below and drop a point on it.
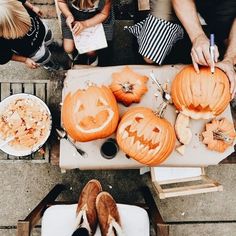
(91, 39)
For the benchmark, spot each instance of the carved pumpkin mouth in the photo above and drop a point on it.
(141, 139)
(95, 123)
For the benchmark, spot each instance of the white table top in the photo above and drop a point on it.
(196, 153)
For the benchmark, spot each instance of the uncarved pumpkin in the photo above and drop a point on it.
(203, 95)
(145, 137)
(128, 86)
(90, 113)
(219, 135)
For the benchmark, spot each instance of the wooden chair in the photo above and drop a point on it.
(45, 208)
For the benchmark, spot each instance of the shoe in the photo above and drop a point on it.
(93, 61)
(48, 38)
(108, 215)
(86, 210)
(51, 66)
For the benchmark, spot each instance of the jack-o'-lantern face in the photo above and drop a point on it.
(145, 137)
(90, 114)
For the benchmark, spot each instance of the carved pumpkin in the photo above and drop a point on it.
(145, 137)
(128, 86)
(203, 95)
(90, 114)
(219, 135)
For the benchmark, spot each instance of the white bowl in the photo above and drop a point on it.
(9, 149)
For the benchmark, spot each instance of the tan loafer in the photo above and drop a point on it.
(86, 214)
(108, 215)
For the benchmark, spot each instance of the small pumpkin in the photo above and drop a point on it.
(203, 95)
(219, 135)
(90, 114)
(145, 137)
(128, 86)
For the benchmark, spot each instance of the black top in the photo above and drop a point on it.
(28, 44)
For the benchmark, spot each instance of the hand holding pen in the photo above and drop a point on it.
(200, 52)
(212, 53)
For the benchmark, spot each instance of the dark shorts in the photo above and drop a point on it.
(219, 16)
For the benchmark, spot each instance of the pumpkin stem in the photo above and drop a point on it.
(219, 135)
(127, 87)
(161, 109)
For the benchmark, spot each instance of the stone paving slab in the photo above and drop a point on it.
(208, 206)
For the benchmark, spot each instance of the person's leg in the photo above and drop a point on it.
(92, 58)
(108, 215)
(86, 215)
(68, 41)
(69, 46)
(81, 232)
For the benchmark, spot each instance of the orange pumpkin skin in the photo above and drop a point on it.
(203, 95)
(145, 137)
(90, 114)
(128, 86)
(222, 126)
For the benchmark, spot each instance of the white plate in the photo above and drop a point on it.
(27, 151)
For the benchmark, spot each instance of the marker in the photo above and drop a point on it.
(212, 52)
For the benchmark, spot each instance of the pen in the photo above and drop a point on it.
(212, 52)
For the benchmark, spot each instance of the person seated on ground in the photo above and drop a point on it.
(23, 36)
(96, 206)
(78, 15)
(162, 29)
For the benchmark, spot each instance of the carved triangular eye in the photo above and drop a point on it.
(81, 107)
(100, 103)
(138, 119)
(156, 130)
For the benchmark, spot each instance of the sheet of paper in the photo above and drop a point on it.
(91, 39)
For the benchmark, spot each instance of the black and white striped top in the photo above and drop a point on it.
(156, 37)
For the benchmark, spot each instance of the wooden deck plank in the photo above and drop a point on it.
(5, 90)
(28, 88)
(16, 88)
(40, 91)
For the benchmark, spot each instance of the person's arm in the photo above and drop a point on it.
(187, 14)
(98, 18)
(28, 62)
(33, 8)
(62, 4)
(227, 64)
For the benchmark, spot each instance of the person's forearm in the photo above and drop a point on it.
(187, 14)
(231, 50)
(29, 5)
(100, 17)
(18, 58)
(64, 9)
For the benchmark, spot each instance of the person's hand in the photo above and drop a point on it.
(227, 66)
(78, 27)
(200, 52)
(31, 64)
(69, 20)
(37, 11)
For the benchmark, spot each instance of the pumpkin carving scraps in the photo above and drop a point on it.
(219, 135)
(203, 95)
(128, 86)
(145, 137)
(90, 114)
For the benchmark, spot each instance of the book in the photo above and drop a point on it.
(91, 39)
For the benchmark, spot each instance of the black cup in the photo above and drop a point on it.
(109, 148)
